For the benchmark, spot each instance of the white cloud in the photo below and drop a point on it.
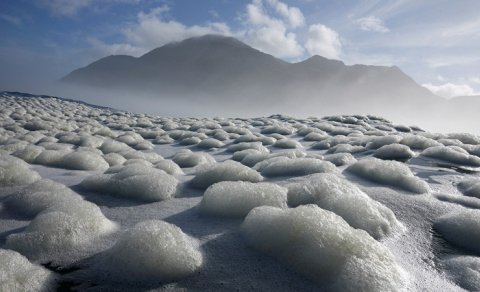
(271, 34)
(323, 41)
(449, 90)
(152, 30)
(372, 23)
(293, 15)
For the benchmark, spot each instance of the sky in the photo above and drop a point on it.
(436, 42)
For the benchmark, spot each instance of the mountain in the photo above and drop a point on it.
(227, 76)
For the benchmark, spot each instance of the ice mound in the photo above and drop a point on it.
(145, 155)
(284, 166)
(461, 229)
(224, 171)
(470, 187)
(465, 138)
(135, 181)
(391, 173)
(210, 143)
(169, 167)
(187, 158)
(340, 159)
(419, 142)
(114, 159)
(345, 148)
(394, 152)
(315, 136)
(379, 141)
(29, 153)
(40, 195)
(150, 252)
(278, 129)
(248, 145)
(237, 198)
(50, 157)
(110, 146)
(84, 160)
(465, 271)
(58, 231)
(287, 144)
(190, 141)
(14, 171)
(333, 193)
(452, 154)
(18, 274)
(324, 247)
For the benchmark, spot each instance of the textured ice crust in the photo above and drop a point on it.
(333, 193)
(64, 222)
(324, 247)
(134, 181)
(465, 271)
(237, 198)
(391, 173)
(284, 166)
(150, 252)
(18, 274)
(224, 171)
(452, 154)
(14, 171)
(461, 228)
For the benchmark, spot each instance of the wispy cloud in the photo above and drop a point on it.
(449, 90)
(11, 19)
(372, 23)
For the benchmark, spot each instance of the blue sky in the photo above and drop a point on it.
(436, 42)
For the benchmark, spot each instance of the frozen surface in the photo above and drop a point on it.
(333, 193)
(390, 173)
(18, 274)
(151, 251)
(105, 200)
(323, 246)
(237, 198)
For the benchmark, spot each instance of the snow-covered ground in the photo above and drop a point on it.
(97, 199)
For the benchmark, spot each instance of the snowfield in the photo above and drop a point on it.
(97, 199)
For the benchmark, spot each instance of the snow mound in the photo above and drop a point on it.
(151, 252)
(340, 159)
(237, 198)
(224, 171)
(210, 143)
(394, 152)
(379, 141)
(59, 231)
(134, 181)
(169, 167)
(248, 145)
(333, 193)
(187, 158)
(18, 274)
(461, 229)
(40, 195)
(287, 144)
(465, 271)
(452, 154)
(14, 172)
(84, 160)
(391, 173)
(284, 166)
(29, 153)
(323, 246)
(418, 142)
(114, 159)
(470, 187)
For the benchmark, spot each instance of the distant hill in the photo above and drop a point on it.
(218, 75)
